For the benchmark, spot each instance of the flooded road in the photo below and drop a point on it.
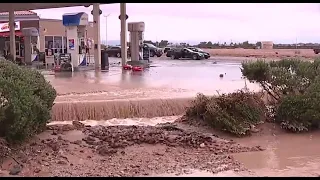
(166, 78)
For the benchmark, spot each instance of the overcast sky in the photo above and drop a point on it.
(282, 23)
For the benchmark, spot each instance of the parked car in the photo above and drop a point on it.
(316, 50)
(186, 53)
(166, 49)
(115, 51)
(206, 55)
(173, 49)
(154, 51)
(170, 51)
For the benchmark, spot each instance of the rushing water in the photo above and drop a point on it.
(127, 121)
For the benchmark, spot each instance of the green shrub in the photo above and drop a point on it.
(198, 106)
(234, 113)
(295, 87)
(298, 113)
(26, 99)
(281, 78)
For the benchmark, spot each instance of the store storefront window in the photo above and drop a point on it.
(55, 44)
(48, 45)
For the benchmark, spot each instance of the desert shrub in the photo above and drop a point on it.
(26, 99)
(298, 113)
(294, 85)
(281, 78)
(198, 106)
(234, 113)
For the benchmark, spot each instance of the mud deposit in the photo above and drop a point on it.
(79, 150)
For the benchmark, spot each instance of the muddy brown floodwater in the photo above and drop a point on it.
(165, 89)
(286, 154)
(165, 79)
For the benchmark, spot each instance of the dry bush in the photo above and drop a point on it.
(234, 113)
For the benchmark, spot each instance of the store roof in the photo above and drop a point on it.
(19, 16)
(19, 13)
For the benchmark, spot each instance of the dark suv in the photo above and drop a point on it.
(115, 51)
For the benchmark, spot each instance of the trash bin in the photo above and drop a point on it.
(104, 60)
(42, 58)
(145, 53)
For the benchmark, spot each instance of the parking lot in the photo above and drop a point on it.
(165, 78)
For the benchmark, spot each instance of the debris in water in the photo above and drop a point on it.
(115, 137)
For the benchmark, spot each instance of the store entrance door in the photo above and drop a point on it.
(18, 48)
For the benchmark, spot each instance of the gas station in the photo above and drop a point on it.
(75, 23)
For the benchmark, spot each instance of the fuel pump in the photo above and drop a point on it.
(136, 30)
(31, 45)
(76, 37)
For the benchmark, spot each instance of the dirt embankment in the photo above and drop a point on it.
(78, 150)
(263, 53)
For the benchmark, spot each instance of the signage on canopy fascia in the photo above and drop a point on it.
(4, 27)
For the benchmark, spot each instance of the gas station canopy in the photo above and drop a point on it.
(5, 7)
(11, 7)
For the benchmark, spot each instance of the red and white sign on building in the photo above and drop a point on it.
(4, 27)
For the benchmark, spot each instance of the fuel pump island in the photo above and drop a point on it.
(78, 47)
(77, 43)
(140, 54)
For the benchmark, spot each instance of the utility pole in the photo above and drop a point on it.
(106, 16)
